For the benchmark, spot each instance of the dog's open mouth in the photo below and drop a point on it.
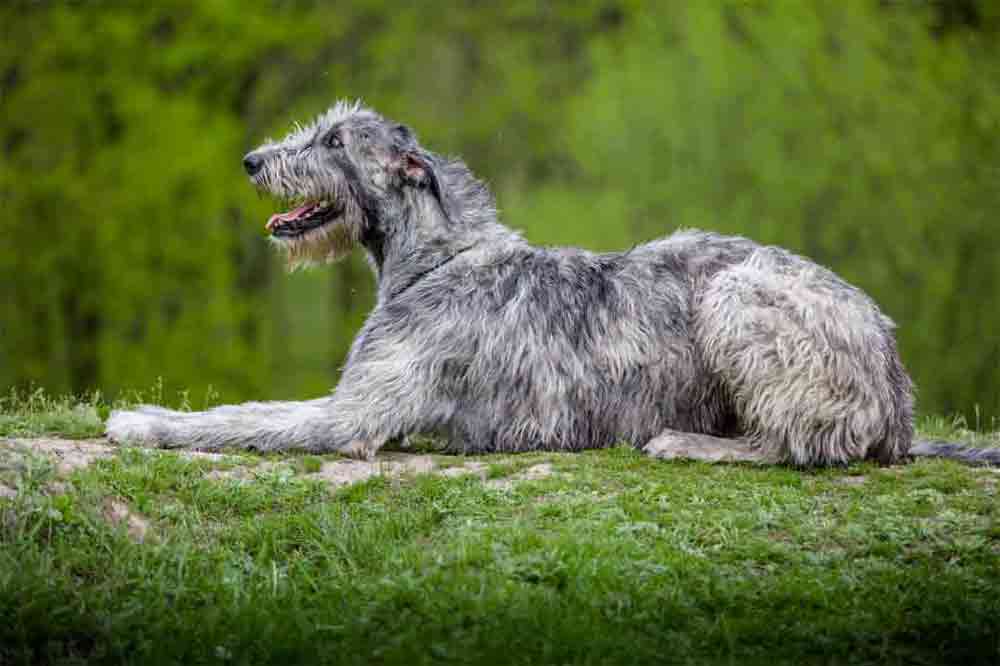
(304, 218)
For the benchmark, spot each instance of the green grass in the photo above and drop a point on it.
(613, 559)
(36, 414)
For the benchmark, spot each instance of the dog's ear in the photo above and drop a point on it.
(410, 164)
(414, 169)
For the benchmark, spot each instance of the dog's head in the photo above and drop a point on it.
(338, 175)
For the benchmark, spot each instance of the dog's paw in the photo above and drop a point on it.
(361, 449)
(143, 426)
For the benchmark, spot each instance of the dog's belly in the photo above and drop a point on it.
(560, 396)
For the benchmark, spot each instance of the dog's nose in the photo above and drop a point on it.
(252, 162)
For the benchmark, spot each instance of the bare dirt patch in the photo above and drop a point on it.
(337, 472)
(68, 456)
(117, 512)
(244, 473)
(471, 467)
(533, 473)
(345, 471)
(342, 472)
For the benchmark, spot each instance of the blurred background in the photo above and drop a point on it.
(865, 135)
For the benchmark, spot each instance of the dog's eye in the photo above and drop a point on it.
(333, 140)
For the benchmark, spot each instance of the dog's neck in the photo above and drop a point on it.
(420, 232)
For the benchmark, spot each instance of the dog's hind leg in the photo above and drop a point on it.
(809, 361)
(677, 445)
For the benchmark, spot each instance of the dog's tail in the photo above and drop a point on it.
(970, 455)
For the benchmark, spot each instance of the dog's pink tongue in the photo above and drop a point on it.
(279, 218)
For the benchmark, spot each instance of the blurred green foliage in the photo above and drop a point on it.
(863, 134)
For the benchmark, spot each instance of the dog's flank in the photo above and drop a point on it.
(495, 344)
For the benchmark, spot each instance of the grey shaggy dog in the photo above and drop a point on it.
(697, 345)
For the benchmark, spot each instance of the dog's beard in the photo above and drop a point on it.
(325, 244)
(319, 228)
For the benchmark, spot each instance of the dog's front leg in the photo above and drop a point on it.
(368, 407)
(381, 397)
(261, 426)
(316, 425)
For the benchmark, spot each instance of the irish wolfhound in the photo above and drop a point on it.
(697, 345)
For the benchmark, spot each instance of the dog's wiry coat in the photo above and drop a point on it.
(705, 340)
